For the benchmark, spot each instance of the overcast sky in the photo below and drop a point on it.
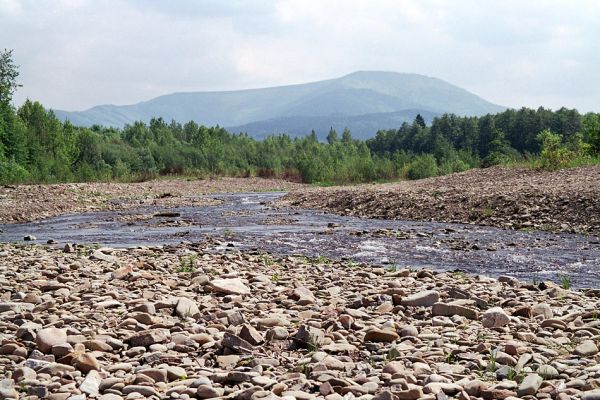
(74, 54)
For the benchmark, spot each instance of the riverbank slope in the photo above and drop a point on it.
(559, 201)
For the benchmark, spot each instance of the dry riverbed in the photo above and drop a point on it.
(184, 322)
(30, 202)
(561, 201)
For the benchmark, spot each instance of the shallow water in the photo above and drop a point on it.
(245, 220)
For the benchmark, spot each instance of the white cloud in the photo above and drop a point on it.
(78, 53)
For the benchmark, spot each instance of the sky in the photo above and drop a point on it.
(75, 54)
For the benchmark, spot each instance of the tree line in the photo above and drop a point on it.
(37, 147)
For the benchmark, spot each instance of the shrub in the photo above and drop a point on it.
(422, 166)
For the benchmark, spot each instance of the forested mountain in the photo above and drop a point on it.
(366, 101)
(361, 126)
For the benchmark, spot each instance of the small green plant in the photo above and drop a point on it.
(187, 264)
(492, 360)
(535, 279)
(392, 354)
(565, 282)
(515, 376)
(275, 277)
(321, 259)
(312, 345)
(183, 377)
(450, 357)
(228, 233)
(267, 260)
(459, 275)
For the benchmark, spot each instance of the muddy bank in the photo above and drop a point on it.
(192, 322)
(561, 201)
(30, 202)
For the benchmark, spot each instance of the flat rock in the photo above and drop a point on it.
(425, 298)
(381, 335)
(446, 310)
(229, 286)
(586, 348)
(16, 307)
(91, 383)
(530, 385)
(149, 337)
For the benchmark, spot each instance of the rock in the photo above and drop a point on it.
(586, 348)
(187, 308)
(308, 337)
(208, 392)
(422, 299)
(91, 383)
(495, 317)
(157, 375)
(251, 335)
(29, 238)
(530, 385)
(16, 307)
(99, 255)
(410, 394)
(591, 395)
(443, 309)
(48, 337)
(303, 296)
(86, 363)
(110, 396)
(380, 335)
(547, 371)
(339, 348)
(145, 391)
(23, 373)
(7, 389)
(409, 330)
(149, 337)
(542, 309)
(236, 343)
(229, 286)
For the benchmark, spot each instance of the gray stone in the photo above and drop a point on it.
(146, 391)
(547, 371)
(586, 348)
(91, 383)
(16, 307)
(7, 389)
(530, 385)
(446, 310)
(187, 308)
(229, 286)
(149, 337)
(426, 298)
(495, 317)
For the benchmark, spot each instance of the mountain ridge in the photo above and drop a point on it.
(360, 93)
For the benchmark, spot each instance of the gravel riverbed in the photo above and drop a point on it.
(560, 201)
(193, 321)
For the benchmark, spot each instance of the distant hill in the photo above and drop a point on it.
(362, 126)
(363, 101)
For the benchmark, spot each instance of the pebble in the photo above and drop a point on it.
(136, 328)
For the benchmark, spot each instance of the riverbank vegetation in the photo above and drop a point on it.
(37, 147)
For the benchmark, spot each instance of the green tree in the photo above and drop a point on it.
(8, 76)
(419, 120)
(332, 136)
